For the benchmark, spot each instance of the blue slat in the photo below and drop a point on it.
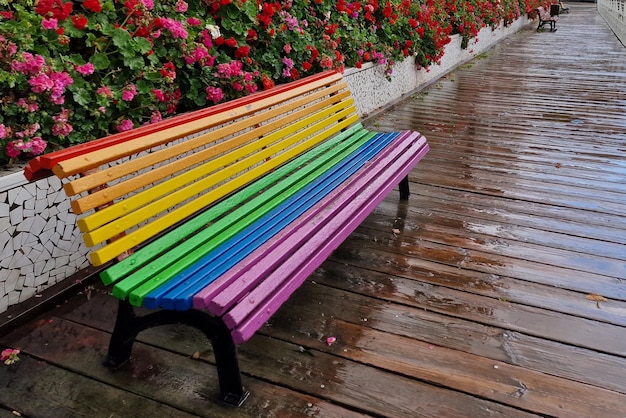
(178, 292)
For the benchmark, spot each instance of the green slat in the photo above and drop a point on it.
(125, 267)
(183, 256)
(162, 244)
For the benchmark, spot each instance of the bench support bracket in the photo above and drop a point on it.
(128, 325)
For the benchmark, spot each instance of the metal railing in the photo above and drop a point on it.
(614, 13)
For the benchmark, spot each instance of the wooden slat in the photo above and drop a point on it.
(238, 200)
(38, 166)
(234, 163)
(273, 224)
(97, 158)
(183, 256)
(264, 302)
(286, 111)
(142, 234)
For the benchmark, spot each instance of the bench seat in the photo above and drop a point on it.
(216, 218)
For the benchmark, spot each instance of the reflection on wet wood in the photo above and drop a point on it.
(497, 290)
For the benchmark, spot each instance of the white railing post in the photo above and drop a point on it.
(614, 13)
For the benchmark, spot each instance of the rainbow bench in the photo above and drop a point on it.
(216, 217)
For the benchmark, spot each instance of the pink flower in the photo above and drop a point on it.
(61, 127)
(37, 145)
(129, 93)
(174, 27)
(158, 93)
(30, 64)
(50, 23)
(214, 94)
(287, 48)
(105, 91)
(86, 69)
(156, 117)
(41, 83)
(125, 125)
(181, 6)
(148, 4)
(13, 151)
(28, 105)
(194, 21)
(3, 131)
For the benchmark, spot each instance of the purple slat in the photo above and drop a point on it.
(232, 285)
(260, 304)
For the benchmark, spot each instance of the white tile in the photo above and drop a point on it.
(11, 281)
(27, 294)
(17, 216)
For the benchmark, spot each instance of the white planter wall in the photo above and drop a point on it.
(40, 244)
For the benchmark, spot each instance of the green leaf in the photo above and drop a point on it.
(82, 97)
(134, 62)
(100, 61)
(142, 45)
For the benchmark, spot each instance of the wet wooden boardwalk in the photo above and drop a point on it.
(498, 290)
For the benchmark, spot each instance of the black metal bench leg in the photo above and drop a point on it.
(128, 325)
(228, 373)
(404, 188)
(123, 337)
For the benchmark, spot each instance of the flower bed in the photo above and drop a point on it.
(110, 65)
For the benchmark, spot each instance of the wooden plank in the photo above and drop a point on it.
(266, 299)
(240, 163)
(288, 113)
(48, 161)
(497, 381)
(542, 323)
(142, 234)
(309, 317)
(164, 243)
(151, 384)
(158, 136)
(271, 225)
(350, 385)
(139, 284)
(35, 388)
(329, 202)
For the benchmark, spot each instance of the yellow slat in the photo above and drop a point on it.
(97, 158)
(104, 216)
(107, 175)
(144, 233)
(186, 187)
(115, 191)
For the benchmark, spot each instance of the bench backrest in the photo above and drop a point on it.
(131, 191)
(554, 9)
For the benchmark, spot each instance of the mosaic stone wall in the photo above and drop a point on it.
(40, 244)
(39, 241)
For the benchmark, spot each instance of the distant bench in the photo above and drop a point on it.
(216, 217)
(548, 17)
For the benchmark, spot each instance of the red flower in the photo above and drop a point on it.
(252, 36)
(242, 51)
(306, 66)
(54, 8)
(92, 5)
(267, 82)
(80, 22)
(231, 42)
(7, 14)
(168, 71)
